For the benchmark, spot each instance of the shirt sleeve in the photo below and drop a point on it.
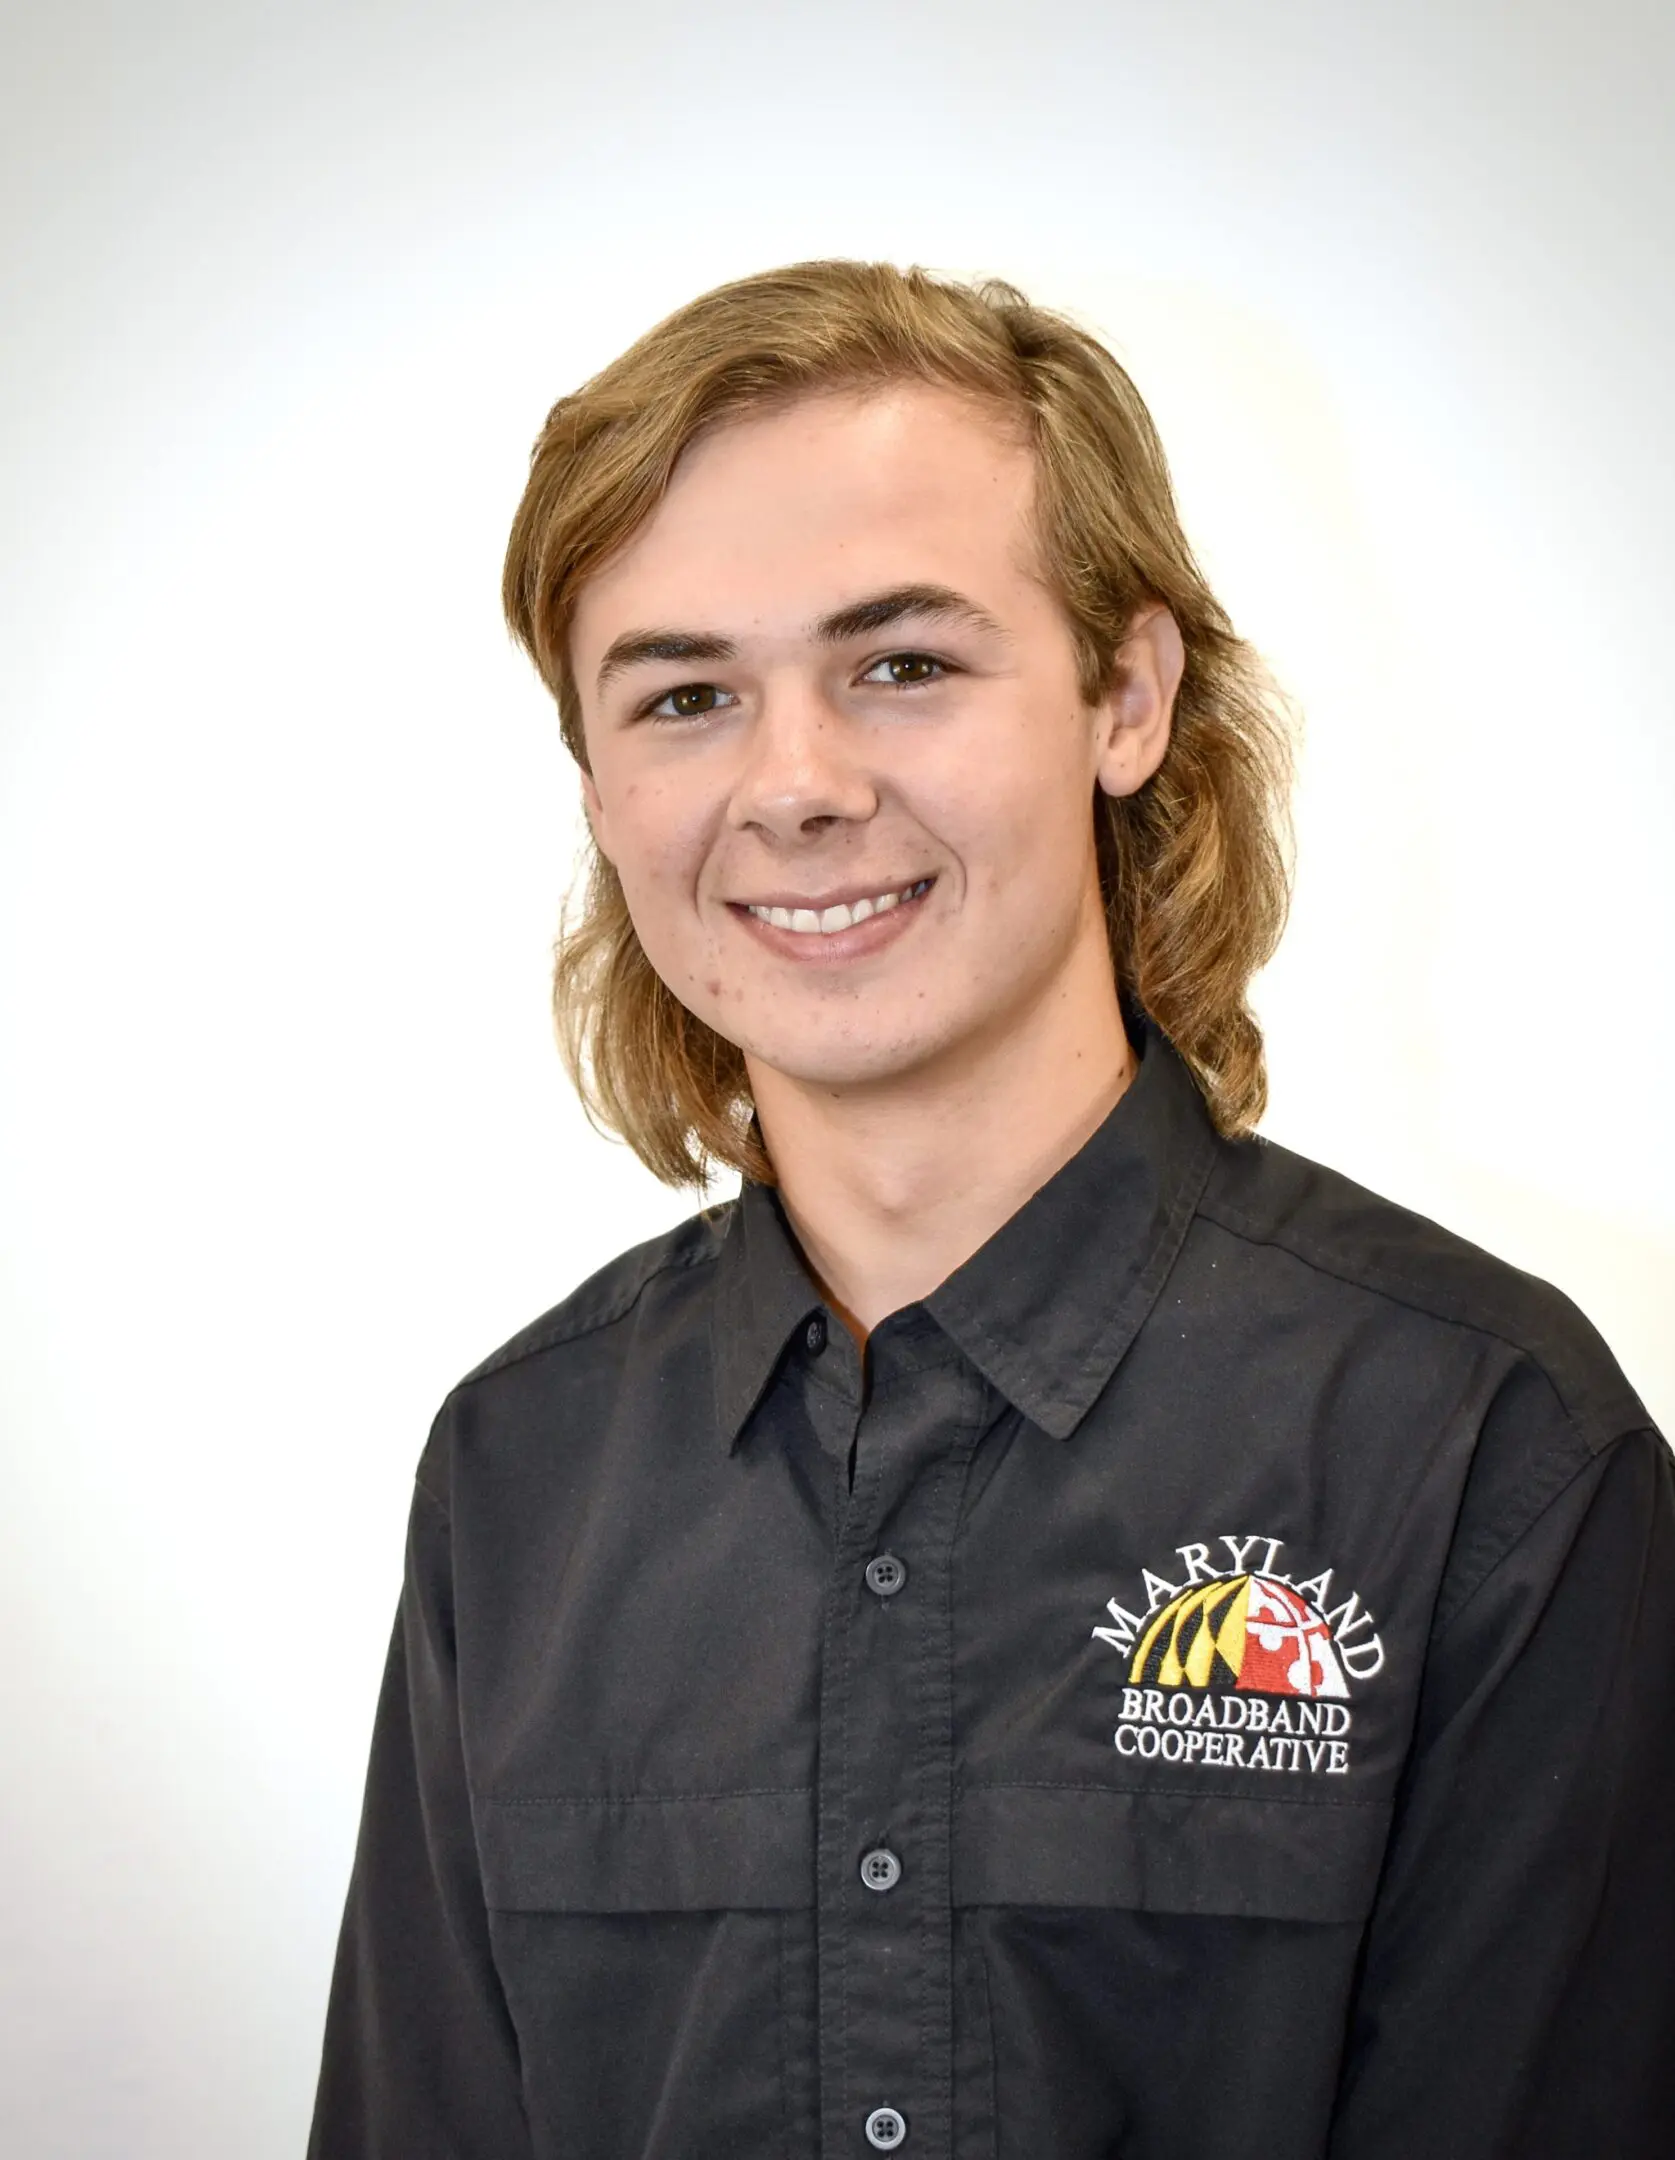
(1516, 1996)
(420, 2058)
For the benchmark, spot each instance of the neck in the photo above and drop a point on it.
(888, 1187)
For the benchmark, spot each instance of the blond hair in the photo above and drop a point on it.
(1193, 867)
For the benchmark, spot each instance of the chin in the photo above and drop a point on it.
(825, 1063)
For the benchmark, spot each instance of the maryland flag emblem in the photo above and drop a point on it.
(1246, 1632)
(1242, 1665)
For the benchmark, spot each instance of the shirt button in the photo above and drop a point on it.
(815, 1334)
(886, 1574)
(886, 2129)
(880, 1869)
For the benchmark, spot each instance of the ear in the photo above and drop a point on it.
(1136, 712)
(595, 808)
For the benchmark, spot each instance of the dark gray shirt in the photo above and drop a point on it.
(1202, 1686)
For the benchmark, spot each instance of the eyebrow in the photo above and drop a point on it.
(925, 603)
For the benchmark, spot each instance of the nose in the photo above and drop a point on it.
(802, 772)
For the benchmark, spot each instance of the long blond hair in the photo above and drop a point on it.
(1193, 867)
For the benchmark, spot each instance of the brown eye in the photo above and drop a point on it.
(689, 702)
(907, 669)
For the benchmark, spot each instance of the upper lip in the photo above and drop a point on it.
(843, 896)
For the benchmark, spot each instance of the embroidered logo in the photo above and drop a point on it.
(1244, 1666)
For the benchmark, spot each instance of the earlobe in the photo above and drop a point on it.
(1138, 710)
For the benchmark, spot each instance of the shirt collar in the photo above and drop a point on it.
(1047, 1307)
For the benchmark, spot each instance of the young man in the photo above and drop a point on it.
(1049, 1626)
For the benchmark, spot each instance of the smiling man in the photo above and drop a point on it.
(1048, 1626)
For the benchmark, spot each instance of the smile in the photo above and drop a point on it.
(825, 922)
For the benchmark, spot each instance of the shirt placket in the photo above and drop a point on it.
(886, 1755)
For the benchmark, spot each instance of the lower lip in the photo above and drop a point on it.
(829, 948)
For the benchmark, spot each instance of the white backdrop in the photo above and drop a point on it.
(284, 1143)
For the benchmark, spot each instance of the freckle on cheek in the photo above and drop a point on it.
(714, 988)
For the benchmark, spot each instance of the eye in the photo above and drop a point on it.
(907, 669)
(687, 701)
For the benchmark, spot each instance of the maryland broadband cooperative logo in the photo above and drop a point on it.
(1244, 1666)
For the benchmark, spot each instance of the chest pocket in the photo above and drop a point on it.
(681, 1852)
(657, 1959)
(1213, 1854)
(1145, 1954)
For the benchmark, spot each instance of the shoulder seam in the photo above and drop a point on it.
(435, 1498)
(589, 1323)
(1615, 1419)
(1540, 1483)
(1595, 1461)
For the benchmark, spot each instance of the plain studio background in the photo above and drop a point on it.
(284, 1143)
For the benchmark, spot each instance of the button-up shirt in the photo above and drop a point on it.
(1201, 1684)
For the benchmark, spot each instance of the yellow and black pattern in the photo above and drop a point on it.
(1197, 1639)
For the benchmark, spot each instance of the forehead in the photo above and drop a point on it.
(769, 519)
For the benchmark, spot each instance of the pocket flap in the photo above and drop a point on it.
(683, 1852)
(1168, 1852)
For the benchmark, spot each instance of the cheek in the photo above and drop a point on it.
(1020, 819)
(658, 839)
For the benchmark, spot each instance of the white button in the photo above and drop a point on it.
(886, 2129)
(880, 1869)
(885, 1574)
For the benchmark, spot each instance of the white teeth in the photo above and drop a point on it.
(826, 920)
